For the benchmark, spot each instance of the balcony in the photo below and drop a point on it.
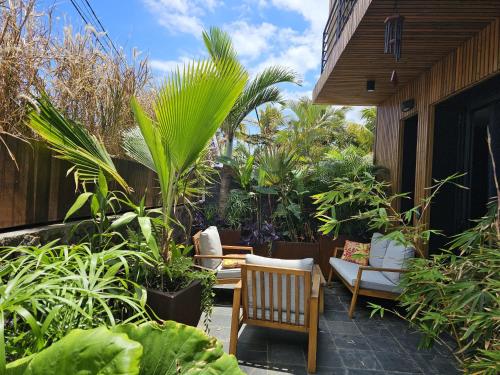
(339, 15)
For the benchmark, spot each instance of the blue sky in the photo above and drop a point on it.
(264, 32)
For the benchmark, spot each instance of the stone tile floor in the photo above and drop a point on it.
(359, 346)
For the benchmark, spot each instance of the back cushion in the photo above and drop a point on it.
(378, 249)
(210, 245)
(396, 257)
(300, 264)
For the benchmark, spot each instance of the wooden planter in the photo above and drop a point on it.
(296, 250)
(183, 306)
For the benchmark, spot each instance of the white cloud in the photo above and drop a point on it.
(181, 15)
(168, 66)
(251, 41)
(296, 94)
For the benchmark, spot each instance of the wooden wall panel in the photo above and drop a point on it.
(474, 61)
(39, 192)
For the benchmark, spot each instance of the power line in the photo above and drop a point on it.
(102, 27)
(80, 12)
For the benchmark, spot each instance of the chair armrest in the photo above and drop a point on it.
(231, 256)
(317, 269)
(238, 285)
(249, 249)
(369, 268)
(204, 268)
(316, 282)
(337, 252)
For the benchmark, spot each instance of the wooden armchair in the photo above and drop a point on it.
(282, 298)
(375, 284)
(224, 276)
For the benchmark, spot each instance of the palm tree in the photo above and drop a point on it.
(189, 108)
(369, 116)
(314, 128)
(269, 120)
(260, 90)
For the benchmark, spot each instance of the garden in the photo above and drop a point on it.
(122, 292)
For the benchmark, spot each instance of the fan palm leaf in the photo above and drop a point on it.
(190, 107)
(72, 142)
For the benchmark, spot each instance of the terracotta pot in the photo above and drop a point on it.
(296, 250)
(183, 306)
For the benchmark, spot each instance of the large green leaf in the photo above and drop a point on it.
(93, 352)
(174, 348)
(74, 143)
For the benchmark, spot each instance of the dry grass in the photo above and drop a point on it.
(90, 85)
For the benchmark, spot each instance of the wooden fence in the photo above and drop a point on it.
(39, 192)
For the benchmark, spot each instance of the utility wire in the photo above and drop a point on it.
(80, 12)
(102, 27)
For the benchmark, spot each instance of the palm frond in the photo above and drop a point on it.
(72, 142)
(135, 146)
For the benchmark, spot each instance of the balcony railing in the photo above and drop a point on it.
(339, 15)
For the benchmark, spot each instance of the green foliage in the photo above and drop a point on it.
(149, 348)
(74, 143)
(47, 291)
(457, 293)
(241, 206)
(375, 206)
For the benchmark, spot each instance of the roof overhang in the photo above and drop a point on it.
(432, 29)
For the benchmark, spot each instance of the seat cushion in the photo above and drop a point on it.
(356, 252)
(369, 279)
(396, 256)
(378, 248)
(228, 273)
(210, 245)
(300, 264)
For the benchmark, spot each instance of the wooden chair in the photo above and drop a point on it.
(355, 288)
(224, 276)
(284, 298)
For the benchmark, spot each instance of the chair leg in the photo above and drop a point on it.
(353, 302)
(313, 337)
(235, 321)
(322, 299)
(330, 275)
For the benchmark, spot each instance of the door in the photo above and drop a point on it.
(409, 163)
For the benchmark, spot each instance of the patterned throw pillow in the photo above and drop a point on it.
(356, 252)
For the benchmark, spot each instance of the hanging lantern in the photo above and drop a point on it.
(394, 33)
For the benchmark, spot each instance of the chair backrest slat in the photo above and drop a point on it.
(262, 296)
(277, 295)
(196, 243)
(271, 295)
(254, 294)
(297, 299)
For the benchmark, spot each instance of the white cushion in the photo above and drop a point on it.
(396, 256)
(374, 280)
(210, 245)
(228, 273)
(378, 248)
(300, 264)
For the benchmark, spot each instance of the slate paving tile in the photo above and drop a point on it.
(288, 354)
(252, 369)
(371, 328)
(392, 361)
(329, 359)
(359, 359)
(384, 343)
(351, 342)
(252, 356)
(343, 328)
(436, 364)
(337, 315)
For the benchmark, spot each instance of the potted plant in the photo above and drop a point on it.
(188, 110)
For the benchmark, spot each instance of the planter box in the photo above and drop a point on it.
(296, 250)
(183, 306)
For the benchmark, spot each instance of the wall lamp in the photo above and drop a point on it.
(370, 85)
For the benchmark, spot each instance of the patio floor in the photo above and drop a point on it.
(348, 347)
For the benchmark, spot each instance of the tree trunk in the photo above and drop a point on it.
(225, 178)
